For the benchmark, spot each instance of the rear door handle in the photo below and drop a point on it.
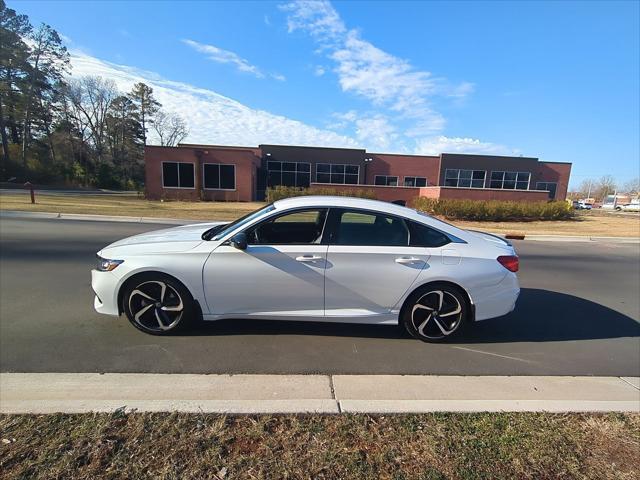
(309, 258)
(408, 260)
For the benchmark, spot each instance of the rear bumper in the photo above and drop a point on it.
(105, 287)
(497, 300)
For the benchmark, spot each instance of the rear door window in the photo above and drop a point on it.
(354, 227)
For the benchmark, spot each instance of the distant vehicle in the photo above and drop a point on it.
(634, 206)
(615, 202)
(328, 259)
(582, 205)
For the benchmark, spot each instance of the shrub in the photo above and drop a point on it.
(280, 192)
(494, 210)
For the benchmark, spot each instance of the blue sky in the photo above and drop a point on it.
(555, 80)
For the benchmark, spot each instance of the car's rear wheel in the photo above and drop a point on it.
(158, 304)
(435, 313)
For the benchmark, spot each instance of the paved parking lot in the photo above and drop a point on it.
(579, 314)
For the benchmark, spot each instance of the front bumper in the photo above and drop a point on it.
(105, 287)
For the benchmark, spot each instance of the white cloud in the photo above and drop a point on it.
(212, 118)
(219, 55)
(376, 132)
(442, 144)
(369, 72)
(319, 70)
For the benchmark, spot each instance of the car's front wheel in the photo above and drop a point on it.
(158, 304)
(435, 313)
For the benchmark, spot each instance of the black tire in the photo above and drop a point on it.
(155, 309)
(450, 304)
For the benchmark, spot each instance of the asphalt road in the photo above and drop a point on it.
(578, 314)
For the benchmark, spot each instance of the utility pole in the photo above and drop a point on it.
(589, 194)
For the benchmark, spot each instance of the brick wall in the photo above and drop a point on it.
(403, 166)
(245, 162)
(554, 172)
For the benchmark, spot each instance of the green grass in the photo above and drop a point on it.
(427, 446)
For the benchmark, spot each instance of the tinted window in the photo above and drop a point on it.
(185, 171)
(295, 228)
(219, 176)
(177, 174)
(364, 228)
(170, 174)
(423, 236)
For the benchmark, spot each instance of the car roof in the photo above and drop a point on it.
(365, 204)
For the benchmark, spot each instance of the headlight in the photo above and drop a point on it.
(106, 265)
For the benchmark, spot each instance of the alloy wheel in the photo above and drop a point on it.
(436, 314)
(156, 306)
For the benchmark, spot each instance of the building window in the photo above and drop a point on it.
(454, 177)
(177, 175)
(337, 173)
(415, 182)
(219, 176)
(549, 186)
(386, 180)
(510, 180)
(289, 174)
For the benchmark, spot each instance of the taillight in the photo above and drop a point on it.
(510, 262)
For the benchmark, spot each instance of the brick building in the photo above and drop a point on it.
(210, 172)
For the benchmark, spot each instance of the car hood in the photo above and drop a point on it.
(167, 240)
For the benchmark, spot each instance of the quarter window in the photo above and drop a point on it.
(510, 180)
(289, 174)
(337, 173)
(386, 180)
(219, 176)
(454, 177)
(551, 187)
(296, 228)
(177, 175)
(424, 236)
(365, 228)
(415, 182)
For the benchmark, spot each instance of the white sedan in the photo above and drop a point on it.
(327, 259)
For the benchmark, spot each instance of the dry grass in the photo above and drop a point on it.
(428, 446)
(587, 223)
(127, 205)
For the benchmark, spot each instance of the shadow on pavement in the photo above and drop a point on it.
(540, 316)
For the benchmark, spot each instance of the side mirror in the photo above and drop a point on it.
(239, 241)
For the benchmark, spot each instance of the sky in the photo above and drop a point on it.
(555, 80)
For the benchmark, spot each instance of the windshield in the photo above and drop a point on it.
(216, 234)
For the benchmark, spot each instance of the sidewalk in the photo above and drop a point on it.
(83, 392)
(177, 221)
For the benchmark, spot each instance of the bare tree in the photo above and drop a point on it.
(92, 97)
(632, 187)
(170, 128)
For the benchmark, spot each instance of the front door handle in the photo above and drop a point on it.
(408, 260)
(308, 258)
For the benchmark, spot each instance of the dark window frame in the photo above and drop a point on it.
(219, 165)
(295, 172)
(458, 177)
(386, 180)
(415, 178)
(343, 174)
(273, 218)
(500, 176)
(193, 174)
(555, 189)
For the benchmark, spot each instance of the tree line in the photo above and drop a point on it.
(74, 131)
(606, 185)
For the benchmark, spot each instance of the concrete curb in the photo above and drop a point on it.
(178, 221)
(235, 394)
